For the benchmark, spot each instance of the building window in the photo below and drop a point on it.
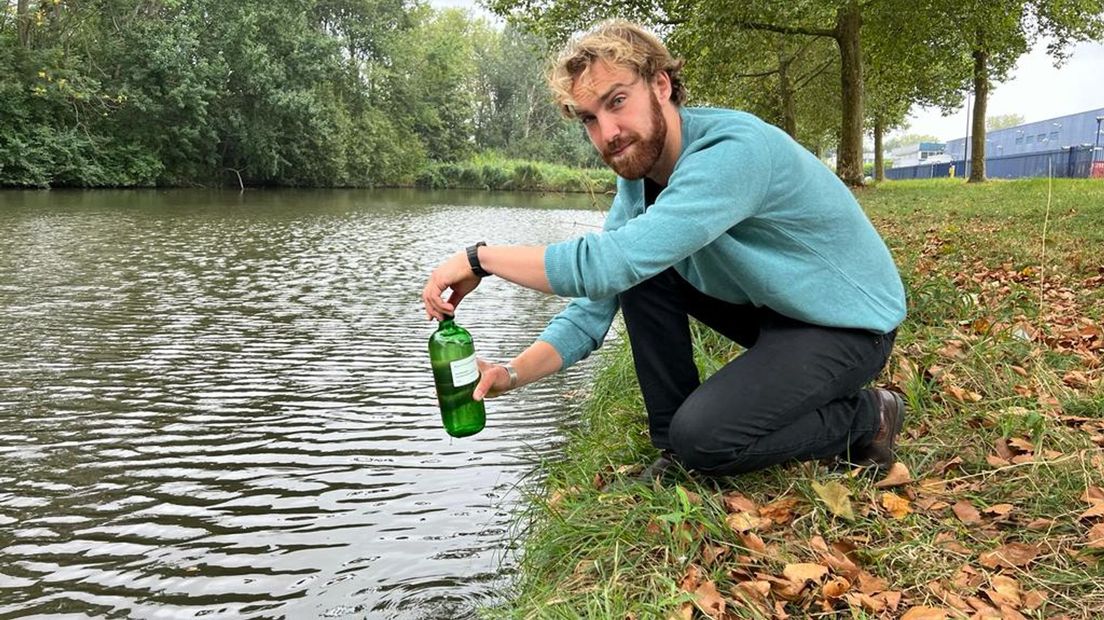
(1019, 139)
(1054, 135)
(1030, 139)
(1040, 137)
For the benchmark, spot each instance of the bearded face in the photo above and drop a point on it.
(631, 154)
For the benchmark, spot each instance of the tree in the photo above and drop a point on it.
(989, 37)
(1003, 121)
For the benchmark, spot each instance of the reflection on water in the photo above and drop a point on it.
(221, 405)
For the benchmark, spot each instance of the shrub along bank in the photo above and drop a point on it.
(995, 511)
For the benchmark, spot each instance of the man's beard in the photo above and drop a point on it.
(643, 153)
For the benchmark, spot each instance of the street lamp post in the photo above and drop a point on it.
(1096, 146)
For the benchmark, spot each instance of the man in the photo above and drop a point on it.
(722, 217)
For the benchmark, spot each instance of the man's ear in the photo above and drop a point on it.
(662, 85)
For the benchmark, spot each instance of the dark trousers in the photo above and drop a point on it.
(796, 393)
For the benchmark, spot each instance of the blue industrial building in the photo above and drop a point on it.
(1062, 147)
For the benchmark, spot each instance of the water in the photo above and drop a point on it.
(221, 405)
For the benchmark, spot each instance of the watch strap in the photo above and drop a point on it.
(473, 260)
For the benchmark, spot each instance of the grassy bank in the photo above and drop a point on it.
(997, 511)
(496, 173)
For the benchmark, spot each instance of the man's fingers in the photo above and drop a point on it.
(486, 382)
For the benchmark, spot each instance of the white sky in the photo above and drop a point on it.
(1034, 90)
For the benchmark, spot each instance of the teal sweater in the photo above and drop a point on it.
(748, 216)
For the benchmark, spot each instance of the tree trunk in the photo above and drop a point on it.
(785, 94)
(981, 98)
(23, 22)
(849, 163)
(879, 161)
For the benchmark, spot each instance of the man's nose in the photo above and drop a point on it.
(608, 129)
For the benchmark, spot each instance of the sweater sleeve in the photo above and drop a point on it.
(717, 183)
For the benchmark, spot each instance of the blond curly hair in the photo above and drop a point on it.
(620, 43)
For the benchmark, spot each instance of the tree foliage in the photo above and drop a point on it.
(298, 92)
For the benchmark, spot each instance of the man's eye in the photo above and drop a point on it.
(586, 120)
(617, 101)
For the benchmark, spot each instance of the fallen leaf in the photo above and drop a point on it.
(896, 505)
(803, 572)
(1034, 599)
(1097, 510)
(753, 543)
(1005, 591)
(999, 510)
(743, 522)
(966, 512)
(735, 502)
(835, 497)
(836, 588)
(864, 601)
(692, 579)
(1007, 612)
(1095, 537)
(892, 599)
(925, 613)
(869, 584)
(780, 511)
(709, 601)
(711, 553)
(1012, 555)
(897, 475)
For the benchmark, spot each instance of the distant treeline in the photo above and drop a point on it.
(297, 92)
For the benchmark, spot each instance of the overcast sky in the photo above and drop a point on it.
(1035, 89)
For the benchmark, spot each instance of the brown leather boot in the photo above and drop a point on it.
(879, 453)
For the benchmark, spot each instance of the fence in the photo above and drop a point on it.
(1071, 162)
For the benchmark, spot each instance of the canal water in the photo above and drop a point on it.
(216, 404)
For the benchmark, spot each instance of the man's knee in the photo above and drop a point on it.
(698, 445)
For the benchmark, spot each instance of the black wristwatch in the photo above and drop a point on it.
(473, 260)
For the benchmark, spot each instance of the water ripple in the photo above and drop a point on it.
(220, 405)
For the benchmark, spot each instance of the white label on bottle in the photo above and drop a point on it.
(464, 371)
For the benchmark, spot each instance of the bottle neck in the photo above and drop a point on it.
(446, 322)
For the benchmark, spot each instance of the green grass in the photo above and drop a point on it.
(1002, 343)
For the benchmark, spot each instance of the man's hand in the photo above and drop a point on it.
(454, 273)
(493, 380)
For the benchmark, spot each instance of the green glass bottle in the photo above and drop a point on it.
(455, 373)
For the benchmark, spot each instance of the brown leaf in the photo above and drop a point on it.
(1021, 444)
(1097, 510)
(743, 522)
(864, 601)
(785, 589)
(999, 510)
(1040, 524)
(709, 601)
(753, 543)
(1092, 494)
(836, 588)
(966, 512)
(869, 584)
(896, 505)
(780, 511)
(1003, 450)
(692, 579)
(926, 613)
(1005, 591)
(897, 475)
(1095, 537)
(835, 497)
(735, 502)
(1007, 612)
(803, 572)
(1011, 555)
(711, 553)
(1034, 599)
